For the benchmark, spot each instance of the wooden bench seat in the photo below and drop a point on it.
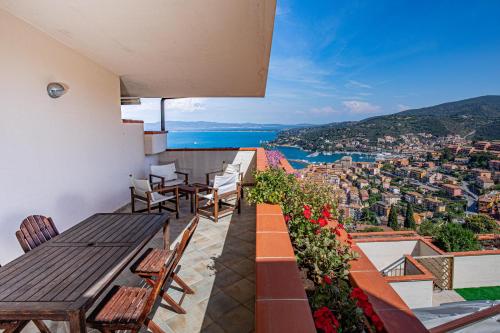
(123, 306)
(151, 262)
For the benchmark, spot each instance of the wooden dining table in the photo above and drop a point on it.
(61, 279)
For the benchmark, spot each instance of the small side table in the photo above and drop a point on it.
(190, 190)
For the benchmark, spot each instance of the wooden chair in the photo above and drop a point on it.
(149, 265)
(35, 230)
(154, 199)
(16, 326)
(165, 175)
(226, 168)
(128, 308)
(225, 188)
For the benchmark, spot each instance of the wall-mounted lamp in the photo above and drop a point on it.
(56, 89)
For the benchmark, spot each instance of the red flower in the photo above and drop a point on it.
(307, 212)
(287, 218)
(313, 221)
(337, 232)
(327, 280)
(340, 226)
(325, 320)
(322, 222)
(349, 236)
(379, 325)
(358, 294)
(318, 231)
(325, 212)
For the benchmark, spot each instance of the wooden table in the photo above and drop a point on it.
(61, 279)
(190, 190)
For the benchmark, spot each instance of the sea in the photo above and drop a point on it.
(297, 157)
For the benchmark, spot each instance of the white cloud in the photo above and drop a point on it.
(298, 70)
(357, 84)
(402, 107)
(360, 107)
(324, 110)
(186, 104)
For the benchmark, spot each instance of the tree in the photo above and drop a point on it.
(409, 218)
(452, 237)
(481, 224)
(393, 218)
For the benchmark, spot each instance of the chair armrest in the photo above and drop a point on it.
(164, 189)
(162, 179)
(186, 176)
(212, 173)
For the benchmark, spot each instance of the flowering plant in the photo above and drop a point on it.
(274, 158)
(364, 304)
(325, 320)
(335, 298)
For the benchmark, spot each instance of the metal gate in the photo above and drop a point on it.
(441, 266)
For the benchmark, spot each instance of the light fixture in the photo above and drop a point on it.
(56, 89)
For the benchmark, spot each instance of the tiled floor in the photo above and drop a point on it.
(445, 296)
(218, 265)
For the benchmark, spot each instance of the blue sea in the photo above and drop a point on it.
(231, 139)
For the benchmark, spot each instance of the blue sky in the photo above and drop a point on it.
(347, 60)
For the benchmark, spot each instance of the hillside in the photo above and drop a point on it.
(215, 126)
(476, 118)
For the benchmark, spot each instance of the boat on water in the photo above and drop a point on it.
(315, 154)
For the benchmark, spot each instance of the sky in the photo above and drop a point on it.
(334, 61)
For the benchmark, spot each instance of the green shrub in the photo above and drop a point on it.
(372, 229)
(429, 227)
(271, 186)
(481, 224)
(336, 296)
(323, 254)
(453, 237)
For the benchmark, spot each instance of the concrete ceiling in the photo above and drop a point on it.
(165, 48)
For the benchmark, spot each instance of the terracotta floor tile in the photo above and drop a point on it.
(269, 223)
(400, 321)
(278, 280)
(269, 209)
(379, 292)
(284, 316)
(274, 245)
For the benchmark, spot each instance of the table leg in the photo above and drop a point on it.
(166, 235)
(192, 203)
(77, 322)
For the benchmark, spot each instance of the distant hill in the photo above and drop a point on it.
(476, 118)
(211, 126)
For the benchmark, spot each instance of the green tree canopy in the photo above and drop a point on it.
(453, 237)
(481, 224)
(393, 218)
(409, 219)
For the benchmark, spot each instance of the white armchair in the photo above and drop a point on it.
(219, 198)
(142, 191)
(167, 175)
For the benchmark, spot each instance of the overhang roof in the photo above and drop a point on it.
(165, 48)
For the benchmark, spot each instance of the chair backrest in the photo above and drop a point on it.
(141, 187)
(226, 183)
(35, 230)
(165, 274)
(232, 168)
(165, 170)
(188, 234)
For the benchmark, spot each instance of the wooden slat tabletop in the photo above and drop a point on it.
(69, 272)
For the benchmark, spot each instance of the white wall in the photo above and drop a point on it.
(69, 157)
(382, 254)
(198, 163)
(476, 271)
(416, 294)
